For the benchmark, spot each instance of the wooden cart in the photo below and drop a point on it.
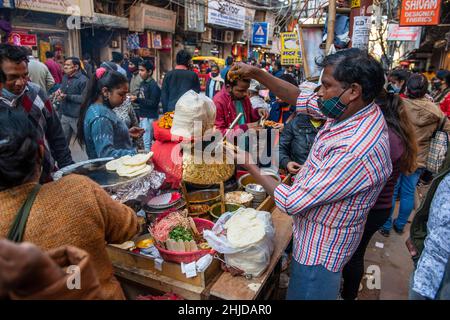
(139, 276)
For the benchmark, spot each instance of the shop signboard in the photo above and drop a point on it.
(144, 17)
(194, 20)
(355, 4)
(67, 7)
(290, 48)
(397, 33)
(249, 17)
(260, 35)
(23, 39)
(420, 12)
(226, 14)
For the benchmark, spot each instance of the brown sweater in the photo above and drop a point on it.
(74, 211)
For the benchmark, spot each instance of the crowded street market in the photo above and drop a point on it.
(224, 150)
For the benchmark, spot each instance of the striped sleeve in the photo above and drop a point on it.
(307, 103)
(341, 176)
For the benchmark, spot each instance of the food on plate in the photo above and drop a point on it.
(244, 228)
(114, 164)
(199, 208)
(238, 197)
(144, 243)
(131, 166)
(269, 123)
(166, 120)
(176, 232)
(127, 245)
(138, 159)
(206, 173)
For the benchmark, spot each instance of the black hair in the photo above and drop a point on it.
(356, 66)
(447, 79)
(117, 57)
(234, 82)
(397, 120)
(229, 61)
(401, 75)
(215, 66)
(183, 58)
(86, 56)
(289, 78)
(49, 54)
(148, 65)
(14, 53)
(277, 63)
(76, 61)
(18, 148)
(417, 86)
(111, 80)
(441, 74)
(431, 68)
(136, 61)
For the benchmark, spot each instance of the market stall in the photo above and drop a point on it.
(208, 230)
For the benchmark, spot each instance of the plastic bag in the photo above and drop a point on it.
(191, 109)
(252, 259)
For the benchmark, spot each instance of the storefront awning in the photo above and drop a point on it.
(105, 20)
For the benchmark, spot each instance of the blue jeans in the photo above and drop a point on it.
(312, 283)
(147, 125)
(406, 185)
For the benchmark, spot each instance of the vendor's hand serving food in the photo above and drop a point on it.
(136, 132)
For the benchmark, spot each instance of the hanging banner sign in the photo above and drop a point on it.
(226, 14)
(420, 12)
(397, 33)
(361, 32)
(355, 4)
(22, 39)
(260, 35)
(290, 48)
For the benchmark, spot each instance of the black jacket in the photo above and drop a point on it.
(148, 99)
(175, 84)
(296, 140)
(74, 88)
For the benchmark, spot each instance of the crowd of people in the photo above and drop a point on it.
(356, 142)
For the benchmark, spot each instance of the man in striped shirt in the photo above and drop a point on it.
(340, 181)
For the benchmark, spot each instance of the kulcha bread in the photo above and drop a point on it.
(137, 160)
(142, 170)
(116, 163)
(244, 228)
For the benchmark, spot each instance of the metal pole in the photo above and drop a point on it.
(330, 25)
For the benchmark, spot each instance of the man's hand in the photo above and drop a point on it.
(411, 248)
(293, 167)
(242, 70)
(136, 132)
(263, 113)
(25, 269)
(279, 126)
(132, 98)
(241, 157)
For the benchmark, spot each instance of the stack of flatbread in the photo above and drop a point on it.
(131, 166)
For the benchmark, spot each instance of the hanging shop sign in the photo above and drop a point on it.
(361, 32)
(22, 39)
(260, 35)
(290, 48)
(194, 20)
(226, 14)
(420, 12)
(355, 4)
(157, 40)
(67, 7)
(153, 18)
(167, 42)
(249, 18)
(397, 33)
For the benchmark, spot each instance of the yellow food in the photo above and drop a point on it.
(166, 120)
(144, 243)
(269, 123)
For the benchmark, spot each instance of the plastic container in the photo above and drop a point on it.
(229, 207)
(188, 257)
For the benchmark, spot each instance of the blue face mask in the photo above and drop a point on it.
(392, 88)
(334, 107)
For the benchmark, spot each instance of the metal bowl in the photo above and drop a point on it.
(209, 196)
(248, 179)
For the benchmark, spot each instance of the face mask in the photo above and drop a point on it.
(214, 75)
(132, 69)
(333, 108)
(392, 88)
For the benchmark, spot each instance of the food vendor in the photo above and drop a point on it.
(341, 179)
(100, 130)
